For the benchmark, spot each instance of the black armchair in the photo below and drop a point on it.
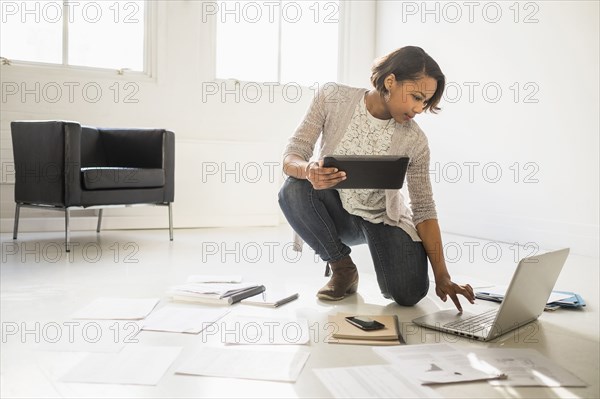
(64, 166)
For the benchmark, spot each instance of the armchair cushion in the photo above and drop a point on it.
(107, 178)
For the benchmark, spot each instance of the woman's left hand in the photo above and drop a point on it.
(444, 288)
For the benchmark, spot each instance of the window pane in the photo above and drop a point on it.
(247, 41)
(309, 42)
(107, 34)
(32, 31)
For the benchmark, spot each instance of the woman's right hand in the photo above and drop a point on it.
(322, 178)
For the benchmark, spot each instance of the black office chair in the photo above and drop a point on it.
(64, 166)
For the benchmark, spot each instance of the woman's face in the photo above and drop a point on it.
(408, 98)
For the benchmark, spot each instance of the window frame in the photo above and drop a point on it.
(149, 61)
(342, 18)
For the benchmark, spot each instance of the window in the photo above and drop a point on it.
(101, 34)
(276, 41)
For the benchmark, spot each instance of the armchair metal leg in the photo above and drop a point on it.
(99, 221)
(16, 226)
(170, 222)
(67, 231)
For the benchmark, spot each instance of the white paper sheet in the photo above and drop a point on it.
(182, 319)
(214, 278)
(109, 336)
(117, 309)
(266, 331)
(380, 381)
(526, 367)
(438, 363)
(135, 364)
(283, 364)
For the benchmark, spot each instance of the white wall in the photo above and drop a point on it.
(221, 142)
(553, 142)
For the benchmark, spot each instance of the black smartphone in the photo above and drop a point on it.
(365, 323)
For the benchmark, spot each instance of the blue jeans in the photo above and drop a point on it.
(321, 221)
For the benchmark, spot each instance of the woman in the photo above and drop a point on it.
(354, 121)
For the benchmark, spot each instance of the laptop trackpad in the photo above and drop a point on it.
(443, 317)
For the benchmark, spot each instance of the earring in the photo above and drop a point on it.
(386, 97)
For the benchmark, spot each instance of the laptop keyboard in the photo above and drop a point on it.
(475, 323)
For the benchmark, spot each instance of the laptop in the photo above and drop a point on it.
(524, 301)
(369, 171)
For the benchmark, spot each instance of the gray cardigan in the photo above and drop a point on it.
(328, 118)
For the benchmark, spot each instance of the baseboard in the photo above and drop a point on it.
(582, 239)
(89, 223)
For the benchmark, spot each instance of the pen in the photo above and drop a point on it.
(400, 337)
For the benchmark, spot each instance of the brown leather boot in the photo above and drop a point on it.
(343, 282)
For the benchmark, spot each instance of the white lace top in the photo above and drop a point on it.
(365, 135)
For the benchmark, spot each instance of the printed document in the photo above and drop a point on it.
(438, 363)
(527, 367)
(381, 381)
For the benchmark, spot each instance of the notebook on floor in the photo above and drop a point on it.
(524, 301)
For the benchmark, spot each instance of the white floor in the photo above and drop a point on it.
(41, 286)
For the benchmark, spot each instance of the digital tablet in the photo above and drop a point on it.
(369, 171)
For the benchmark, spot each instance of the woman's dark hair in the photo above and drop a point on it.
(409, 63)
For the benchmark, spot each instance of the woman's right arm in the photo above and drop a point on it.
(300, 147)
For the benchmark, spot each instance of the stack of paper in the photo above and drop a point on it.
(346, 333)
(214, 278)
(214, 293)
(573, 300)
